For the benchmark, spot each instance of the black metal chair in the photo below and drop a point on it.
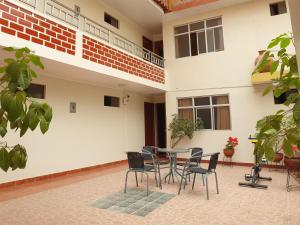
(161, 157)
(152, 164)
(187, 170)
(136, 164)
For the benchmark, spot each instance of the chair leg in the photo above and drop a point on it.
(203, 180)
(147, 184)
(194, 181)
(173, 177)
(181, 182)
(217, 182)
(206, 183)
(155, 171)
(288, 181)
(159, 177)
(142, 174)
(125, 189)
(136, 179)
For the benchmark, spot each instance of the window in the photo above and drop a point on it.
(278, 8)
(111, 20)
(36, 91)
(214, 111)
(199, 37)
(111, 101)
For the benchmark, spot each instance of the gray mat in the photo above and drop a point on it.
(135, 201)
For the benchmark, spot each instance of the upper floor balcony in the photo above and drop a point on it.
(55, 26)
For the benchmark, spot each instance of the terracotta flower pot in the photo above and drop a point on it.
(278, 157)
(292, 164)
(228, 152)
(259, 58)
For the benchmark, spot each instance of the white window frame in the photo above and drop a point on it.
(205, 29)
(211, 106)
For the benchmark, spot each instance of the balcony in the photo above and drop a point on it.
(56, 26)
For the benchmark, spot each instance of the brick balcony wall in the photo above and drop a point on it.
(98, 52)
(29, 26)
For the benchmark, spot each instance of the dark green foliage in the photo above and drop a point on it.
(282, 129)
(181, 128)
(18, 111)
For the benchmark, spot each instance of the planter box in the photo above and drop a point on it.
(264, 78)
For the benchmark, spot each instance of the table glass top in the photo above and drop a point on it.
(173, 150)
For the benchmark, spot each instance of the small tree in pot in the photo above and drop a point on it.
(183, 127)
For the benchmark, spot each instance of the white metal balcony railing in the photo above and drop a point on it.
(67, 15)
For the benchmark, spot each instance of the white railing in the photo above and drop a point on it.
(94, 28)
(31, 3)
(69, 16)
(62, 12)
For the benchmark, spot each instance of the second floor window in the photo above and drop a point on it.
(199, 37)
(111, 20)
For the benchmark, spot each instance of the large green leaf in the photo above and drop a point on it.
(296, 111)
(285, 42)
(44, 125)
(4, 159)
(36, 61)
(287, 148)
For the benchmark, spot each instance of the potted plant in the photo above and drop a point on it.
(293, 163)
(232, 142)
(183, 127)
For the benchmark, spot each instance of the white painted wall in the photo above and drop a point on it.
(92, 136)
(94, 9)
(247, 28)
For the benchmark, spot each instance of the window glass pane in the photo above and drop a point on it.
(197, 26)
(202, 101)
(183, 102)
(111, 101)
(214, 22)
(185, 113)
(217, 100)
(36, 91)
(194, 50)
(210, 40)
(181, 29)
(201, 42)
(222, 118)
(205, 116)
(219, 42)
(182, 46)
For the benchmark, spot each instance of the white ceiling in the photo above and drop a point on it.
(144, 12)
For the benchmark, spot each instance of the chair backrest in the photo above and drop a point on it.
(196, 155)
(213, 161)
(148, 152)
(135, 160)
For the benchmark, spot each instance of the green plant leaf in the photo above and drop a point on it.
(9, 49)
(296, 111)
(36, 61)
(285, 42)
(274, 42)
(267, 90)
(287, 148)
(274, 67)
(44, 126)
(4, 159)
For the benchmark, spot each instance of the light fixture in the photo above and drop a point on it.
(126, 99)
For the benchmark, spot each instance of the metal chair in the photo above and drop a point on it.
(197, 152)
(152, 162)
(187, 170)
(160, 157)
(136, 164)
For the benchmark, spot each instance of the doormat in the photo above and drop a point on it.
(134, 202)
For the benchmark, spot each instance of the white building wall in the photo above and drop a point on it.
(94, 135)
(247, 28)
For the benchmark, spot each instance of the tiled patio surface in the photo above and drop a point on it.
(70, 203)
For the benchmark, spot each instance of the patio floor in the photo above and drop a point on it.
(69, 201)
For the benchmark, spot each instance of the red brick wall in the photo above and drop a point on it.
(100, 53)
(27, 25)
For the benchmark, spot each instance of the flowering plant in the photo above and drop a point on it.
(231, 143)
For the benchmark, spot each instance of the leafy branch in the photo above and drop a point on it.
(18, 111)
(282, 129)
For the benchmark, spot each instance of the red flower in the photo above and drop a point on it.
(295, 148)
